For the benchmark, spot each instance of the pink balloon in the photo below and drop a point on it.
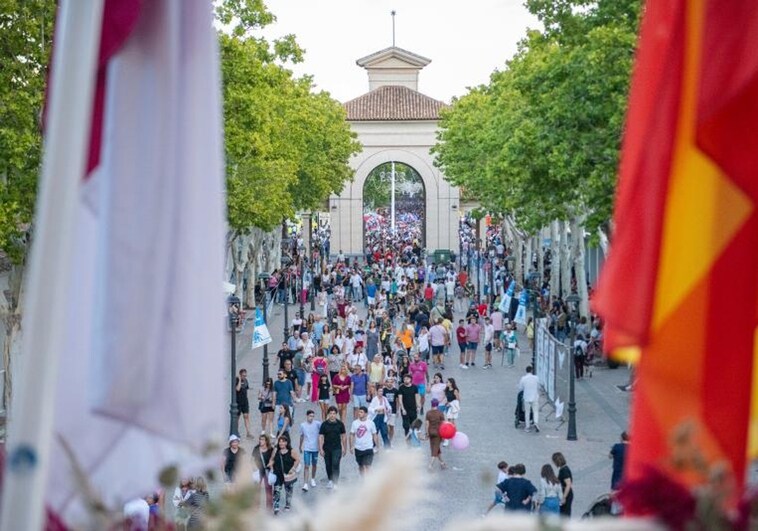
(460, 441)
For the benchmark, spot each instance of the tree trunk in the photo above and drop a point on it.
(528, 258)
(604, 242)
(577, 232)
(10, 313)
(555, 260)
(565, 260)
(540, 257)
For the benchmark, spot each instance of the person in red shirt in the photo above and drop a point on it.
(482, 309)
(460, 336)
(428, 293)
(462, 278)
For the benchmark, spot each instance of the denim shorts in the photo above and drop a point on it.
(359, 400)
(310, 458)
(471, 345)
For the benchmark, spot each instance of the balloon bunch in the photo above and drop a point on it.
(458, 439)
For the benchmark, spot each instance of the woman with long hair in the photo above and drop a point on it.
(452, 403)
(341, 384)
(284, 463)
(266, 406)
(437, 391)
(284, 422)
(549, 492)
(261, 456)
(327, 340)
(567, 483)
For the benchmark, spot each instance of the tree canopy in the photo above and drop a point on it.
(25, 40)
(541, 140)
(287, 146)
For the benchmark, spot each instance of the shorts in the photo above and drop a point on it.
(359, 400)
(324, 400)
(488, 347)
(310, 458)
(462, 346)
(438, 349)
(371, 300)
(364, 457)
(471, 345)
(391, 419)
(243, 407)
(300, 373)
(421, 389)
(498, 498)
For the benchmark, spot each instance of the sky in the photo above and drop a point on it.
(466, 40)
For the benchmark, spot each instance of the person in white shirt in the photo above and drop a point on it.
(309, 431)
(356, 283)
(530, 385)
(357, 359)
(379, 411)
(363, 440)
(489, 334)
(450, 289)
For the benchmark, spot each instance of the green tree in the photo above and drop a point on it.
(25, 41)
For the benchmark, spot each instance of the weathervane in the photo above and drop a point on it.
(393, 28)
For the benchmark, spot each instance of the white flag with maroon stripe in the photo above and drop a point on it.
(141, 383)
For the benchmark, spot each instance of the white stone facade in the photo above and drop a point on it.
(406, 141)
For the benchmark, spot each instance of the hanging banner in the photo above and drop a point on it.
(521, 311)
(261, 335)
(505, 303)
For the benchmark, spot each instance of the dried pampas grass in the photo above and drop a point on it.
(531, 522)
(398, 484)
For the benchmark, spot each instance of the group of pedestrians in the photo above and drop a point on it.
(554, 495)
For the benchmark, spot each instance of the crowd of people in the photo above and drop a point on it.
(370, 361)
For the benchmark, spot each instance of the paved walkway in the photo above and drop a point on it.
(487, 412)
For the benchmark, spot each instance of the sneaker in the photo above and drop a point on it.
(446, 442)
(330, 485)
(462, 366)
(473, 364)
(536, 428)
(527, 430)
(442, 367)
(313, 482)
(305, 487)
(276, 512)
(287, 508)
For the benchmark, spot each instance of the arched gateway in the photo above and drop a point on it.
(395, 123)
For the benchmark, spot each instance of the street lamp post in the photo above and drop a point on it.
(573, 302)
(478, 266)
(312, 285)
(536, 314)
(301, 293)
(233, 308)
(392, 177)
(286, 261)
(492, 277)
(264, 278)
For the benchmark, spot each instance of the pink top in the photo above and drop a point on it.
(497, 320)
(418, 372)
(472, 333)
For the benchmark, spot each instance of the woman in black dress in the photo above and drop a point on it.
(567, 486)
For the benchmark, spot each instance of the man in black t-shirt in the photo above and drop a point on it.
(332, 445)
(409, 402)
(284, 354)
(390, 393)
(243, 405)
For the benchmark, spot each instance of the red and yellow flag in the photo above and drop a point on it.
(681, 282)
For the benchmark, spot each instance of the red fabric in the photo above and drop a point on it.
(626, 287)
(727, 118)
(119, 19)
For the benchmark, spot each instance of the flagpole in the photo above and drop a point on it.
(77, 42)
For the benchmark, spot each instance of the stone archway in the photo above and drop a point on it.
(400, 225)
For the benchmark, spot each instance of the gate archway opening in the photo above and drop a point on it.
(394, 222)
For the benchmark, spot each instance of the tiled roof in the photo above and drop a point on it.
(393, 102)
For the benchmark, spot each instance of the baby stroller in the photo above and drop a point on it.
(519, 419)
(603, 506)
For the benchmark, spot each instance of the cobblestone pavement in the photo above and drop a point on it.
(488, 400)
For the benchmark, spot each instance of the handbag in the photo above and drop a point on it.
(288, 478)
